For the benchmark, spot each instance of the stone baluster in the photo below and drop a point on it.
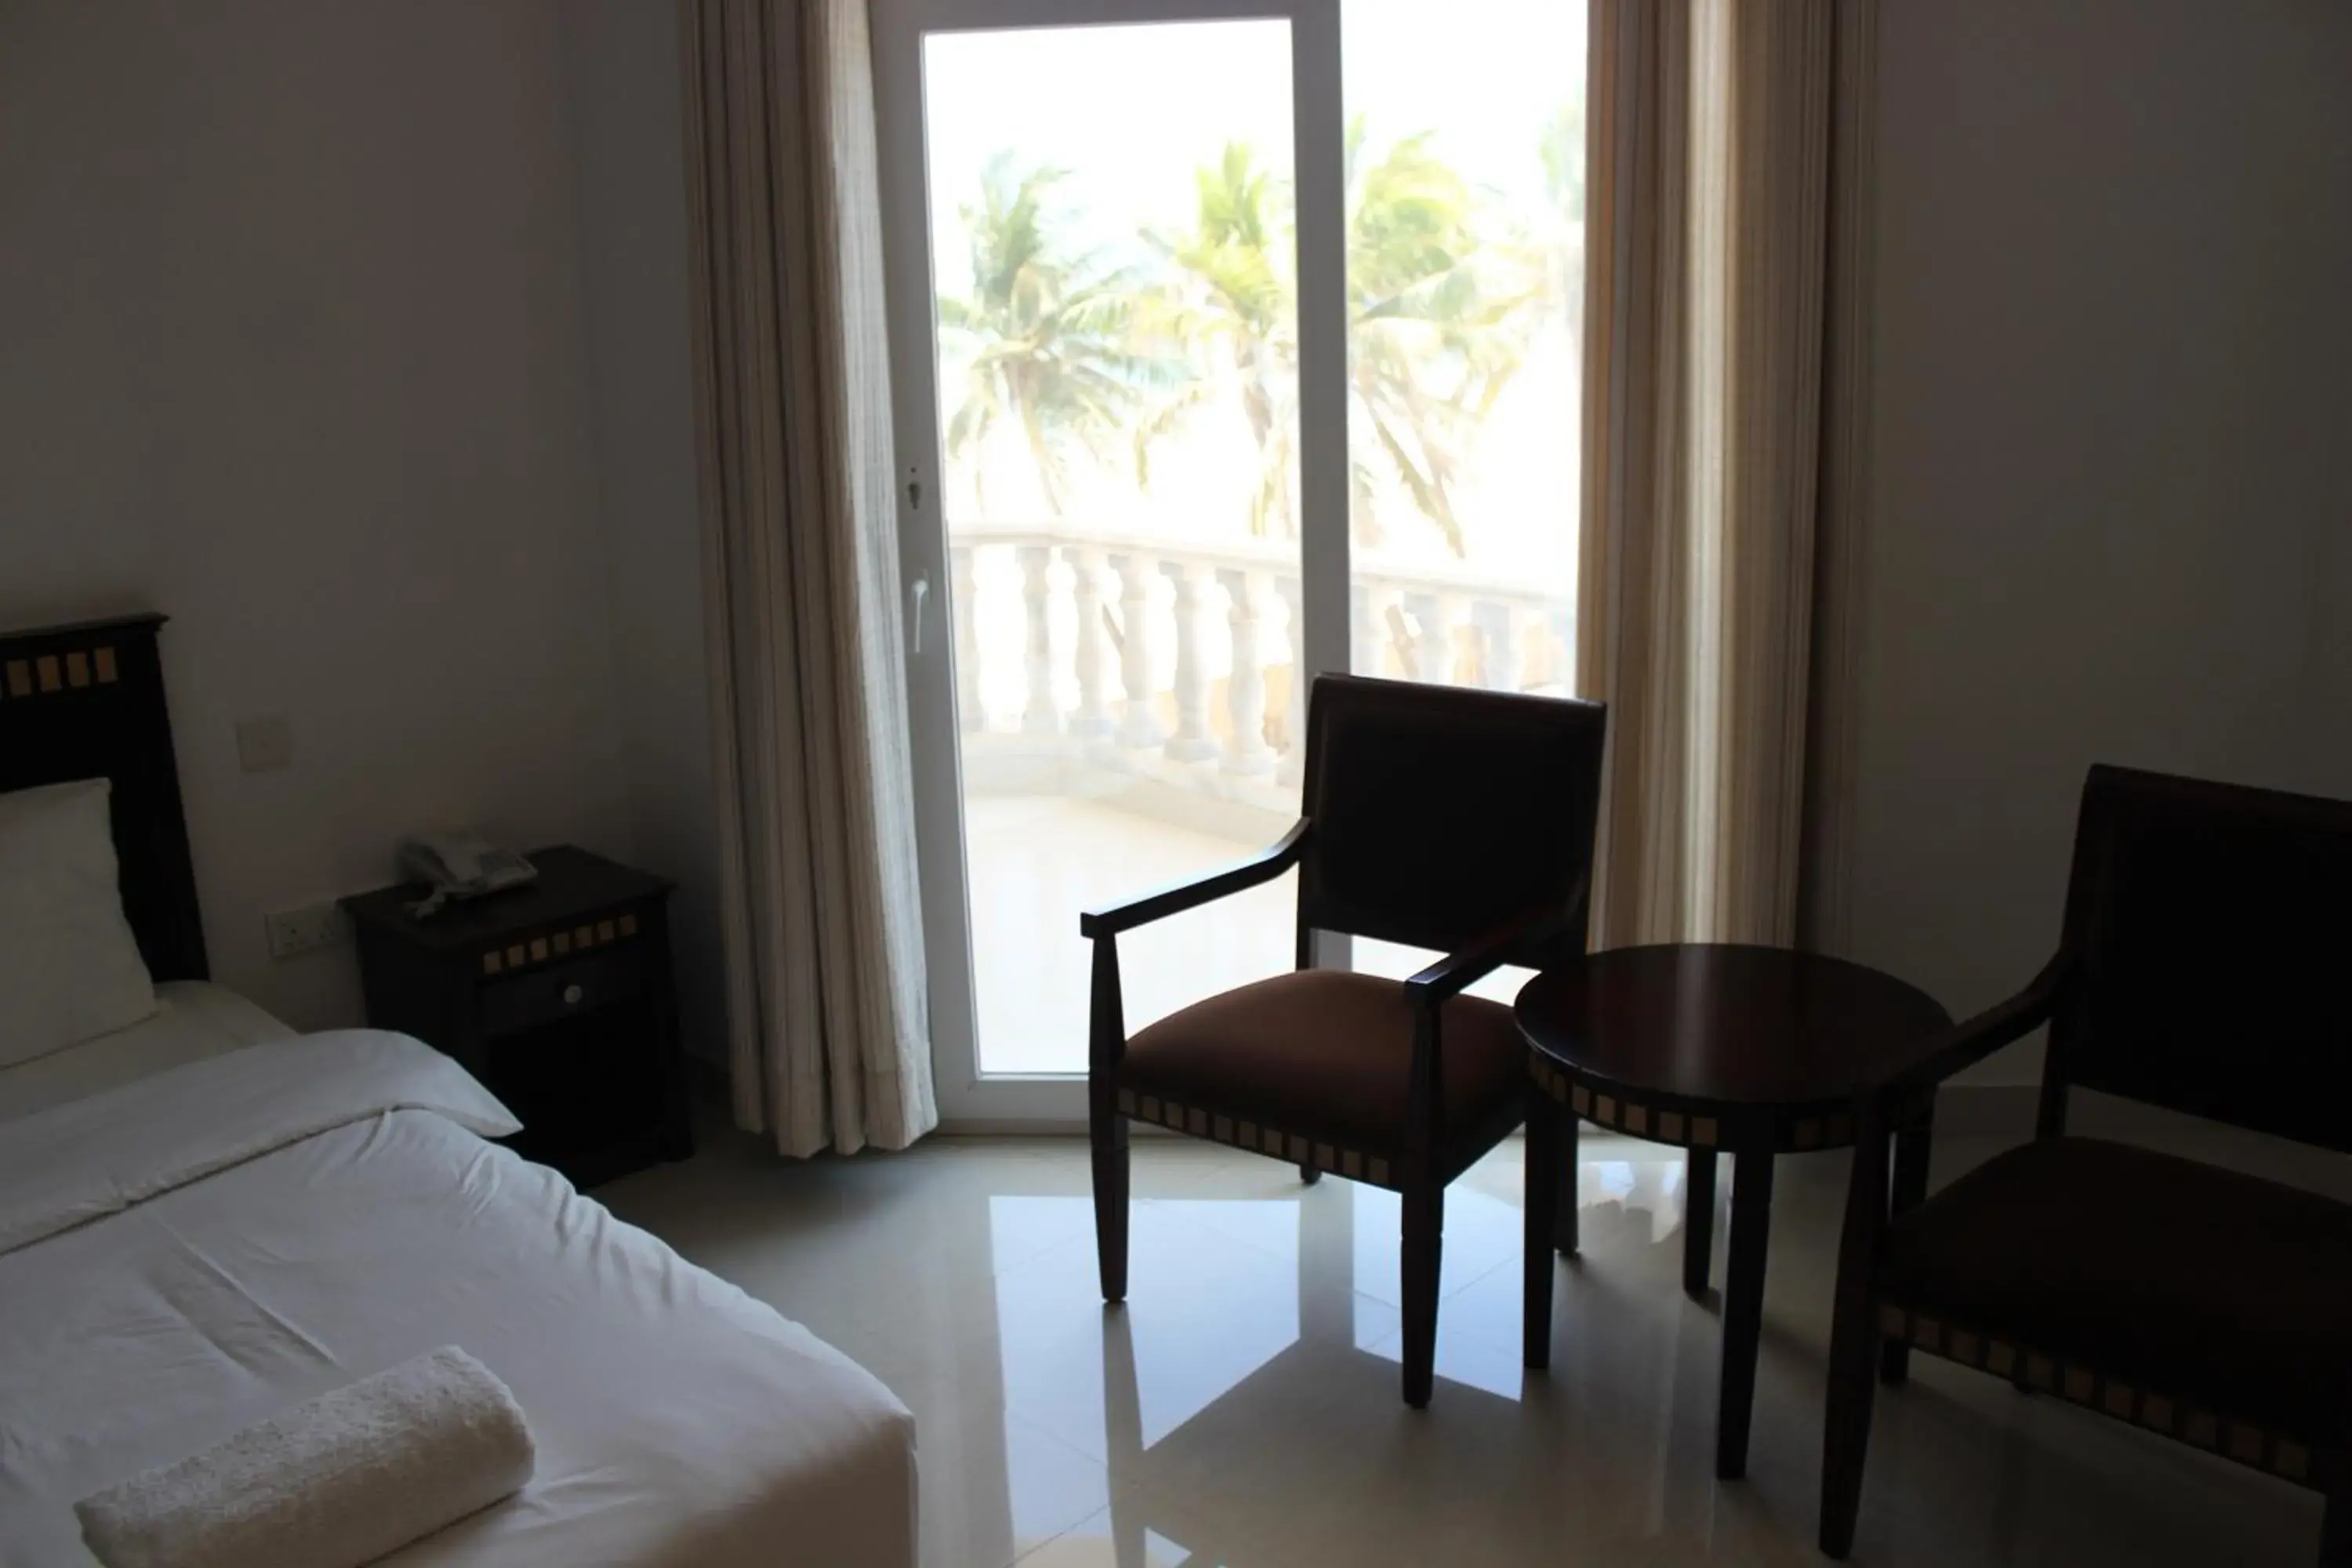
(963, 611)
(1433, 643)
(1489, 626)
(1093, 719)
(1192, 742)
(1504, 629)
(1456, 626)
(1039, 718)
(1247, 753)
(1293, 767)
(1367, 630)
(1139, 726)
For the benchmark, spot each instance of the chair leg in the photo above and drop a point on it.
(1309, 1174)
(1106, 1131)
(1910, 1190)
(1540, 1195)
(1699, 1221)
(1845, 1438)
(1425, 1234)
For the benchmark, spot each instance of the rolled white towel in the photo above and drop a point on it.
(332, 1483)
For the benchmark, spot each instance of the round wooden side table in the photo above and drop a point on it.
(1753, 1052)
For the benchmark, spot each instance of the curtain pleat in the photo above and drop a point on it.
(1710, 138)
(828, 1038)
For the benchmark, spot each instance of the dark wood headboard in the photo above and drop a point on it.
(86, 702)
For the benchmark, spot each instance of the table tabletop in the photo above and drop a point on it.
(1727, 1025)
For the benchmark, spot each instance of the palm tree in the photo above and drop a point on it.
(1046, 338)
(1562, 151)
(1230, 291)
(1438, 305)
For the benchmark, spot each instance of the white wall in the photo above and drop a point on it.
(353, 335)
(2114, 444)
(291, 348)
(622, 60)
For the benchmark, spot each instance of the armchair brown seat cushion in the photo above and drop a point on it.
(2184, 1279)
(1327, 1055)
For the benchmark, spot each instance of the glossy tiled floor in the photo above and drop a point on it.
(1243, 1409)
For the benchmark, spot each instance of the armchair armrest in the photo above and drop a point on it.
(1264, 866)
(1450, 975)
(1965, 1043)
(1973, 1039)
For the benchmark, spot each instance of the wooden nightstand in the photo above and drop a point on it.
(559, 996)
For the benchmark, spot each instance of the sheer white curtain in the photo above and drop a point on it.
(1726, 286)
(829, 1043)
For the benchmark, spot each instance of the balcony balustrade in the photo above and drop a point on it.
(1084, 660)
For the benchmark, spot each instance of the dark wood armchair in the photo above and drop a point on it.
(2203, 968)
(1434, 816)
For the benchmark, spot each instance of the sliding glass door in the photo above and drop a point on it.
(1195, 372)
(1465, 288)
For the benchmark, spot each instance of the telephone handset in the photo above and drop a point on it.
(460, 864)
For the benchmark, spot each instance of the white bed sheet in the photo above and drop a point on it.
(678, 1421)
(196, 1019)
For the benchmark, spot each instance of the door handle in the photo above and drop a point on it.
(920, 591)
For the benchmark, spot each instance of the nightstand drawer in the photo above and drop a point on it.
(562, 990)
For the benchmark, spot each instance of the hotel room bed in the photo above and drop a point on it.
(206, 1219)
(678, 1421)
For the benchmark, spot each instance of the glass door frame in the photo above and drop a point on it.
(967, 1098)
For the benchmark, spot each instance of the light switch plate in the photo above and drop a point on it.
(304, 930)
(265, 745)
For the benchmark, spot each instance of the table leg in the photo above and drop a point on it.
(1699, 1221)
(1541, 1198)
(1567, 1235)
(1908, 1190)
(1743, 1310)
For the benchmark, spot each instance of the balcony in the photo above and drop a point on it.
(1130, 716)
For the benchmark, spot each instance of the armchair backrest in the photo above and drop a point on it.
(2213, 927)
(1441, 813)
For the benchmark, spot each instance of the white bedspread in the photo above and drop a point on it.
(677, 1420)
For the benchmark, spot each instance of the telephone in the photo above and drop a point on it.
(460, 864)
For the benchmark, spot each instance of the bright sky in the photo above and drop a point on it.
(1133, 110)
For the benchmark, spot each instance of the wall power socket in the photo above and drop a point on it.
(307, 929)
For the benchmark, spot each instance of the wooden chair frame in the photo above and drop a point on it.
(1873, 1334)
(1429, 1161)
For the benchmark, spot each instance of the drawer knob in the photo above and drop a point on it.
(571, 994)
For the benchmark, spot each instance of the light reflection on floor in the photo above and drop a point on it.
(1243, 1408)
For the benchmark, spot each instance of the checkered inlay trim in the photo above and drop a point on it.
(1255, 1137)
(557, 944)
(1661, 1125)
(44, 675)
(1653, 1122)
(2243, 1441)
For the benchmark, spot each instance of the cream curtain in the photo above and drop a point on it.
(1721, 409)
(828, 1041)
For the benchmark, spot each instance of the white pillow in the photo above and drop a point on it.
(69, 967)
